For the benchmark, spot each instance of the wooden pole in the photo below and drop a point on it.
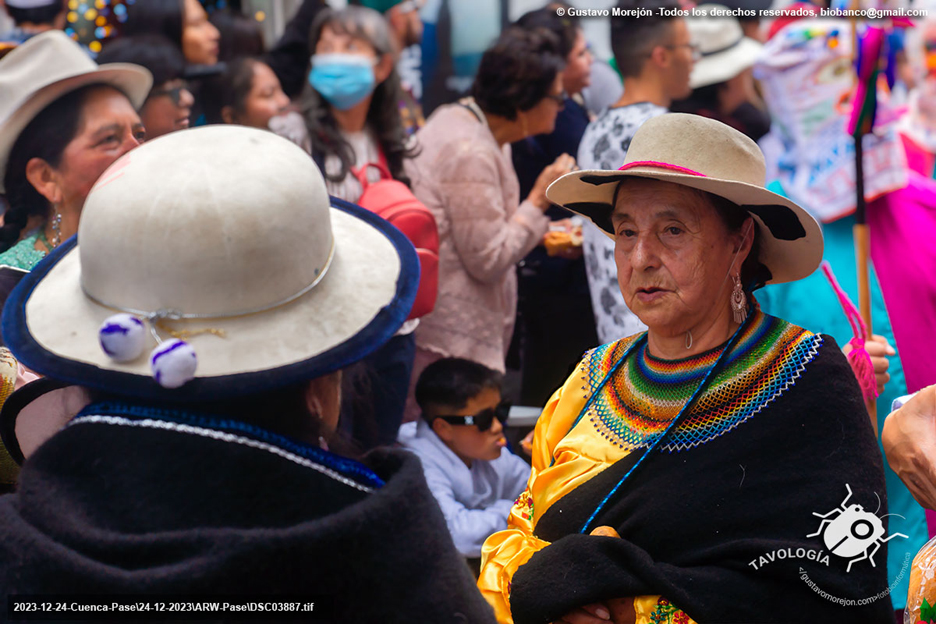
(862, 254)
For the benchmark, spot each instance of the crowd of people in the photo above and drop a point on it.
(264, 316)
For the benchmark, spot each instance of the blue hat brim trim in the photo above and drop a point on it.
(380, 329)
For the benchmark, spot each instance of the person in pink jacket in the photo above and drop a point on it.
(464, 174)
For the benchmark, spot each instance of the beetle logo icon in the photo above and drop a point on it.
(850, 532)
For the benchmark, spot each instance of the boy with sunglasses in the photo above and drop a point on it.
(460, 441)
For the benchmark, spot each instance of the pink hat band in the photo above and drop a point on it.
(660, 165)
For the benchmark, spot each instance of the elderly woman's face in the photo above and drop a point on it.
(673, 253)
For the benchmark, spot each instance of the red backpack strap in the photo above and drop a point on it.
(381, 165)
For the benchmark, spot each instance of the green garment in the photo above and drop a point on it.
(811, 303)
(23, 255)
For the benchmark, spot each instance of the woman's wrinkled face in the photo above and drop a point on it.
(199, 36)
(673, 254)
(109, 128)
(266, 99)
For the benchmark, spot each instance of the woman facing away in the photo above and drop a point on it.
(674, 465)
(201, 463)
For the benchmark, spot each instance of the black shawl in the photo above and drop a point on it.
(692, 522)
(116, 508)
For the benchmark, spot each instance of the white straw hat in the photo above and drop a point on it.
(726, 52)
(220, 228)
(708, 155)
(46, 67)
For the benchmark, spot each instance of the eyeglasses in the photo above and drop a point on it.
(483, 419)
(558, 98)
(174, 93)
(693, 47)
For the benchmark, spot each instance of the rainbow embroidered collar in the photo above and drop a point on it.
(645, 393)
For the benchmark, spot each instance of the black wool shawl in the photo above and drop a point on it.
(117, 508)
(695, 524)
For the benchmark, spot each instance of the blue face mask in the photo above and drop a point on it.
(342, 79)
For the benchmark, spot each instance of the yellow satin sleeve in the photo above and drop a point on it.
(9, 470)
(580, 453)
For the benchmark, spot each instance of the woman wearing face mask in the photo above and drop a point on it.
(350, 105)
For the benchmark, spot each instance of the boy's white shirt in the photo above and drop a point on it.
(475, 501)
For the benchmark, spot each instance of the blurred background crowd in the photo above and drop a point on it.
(476, 107)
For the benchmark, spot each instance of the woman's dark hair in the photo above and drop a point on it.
(452, 382)
(156, 17)
(753, 273)
(517, 72)
(230, 88)
(154, 52)
(38, 15)
(383, 116)
(282, 410)
(240, 35)
(566, 28)
(45, 137)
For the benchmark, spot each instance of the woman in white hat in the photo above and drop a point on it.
(211, 336)
(722, 80)
(63, 121)
(674, 465)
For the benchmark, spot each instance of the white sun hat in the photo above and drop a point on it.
(726, 52)
(710, 156)
(224, 237)
(45, 68)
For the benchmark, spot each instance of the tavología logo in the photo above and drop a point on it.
(852, 533)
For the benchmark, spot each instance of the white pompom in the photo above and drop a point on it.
(122, 337)
(173, 363)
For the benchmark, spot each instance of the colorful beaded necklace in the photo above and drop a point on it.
(642, 397)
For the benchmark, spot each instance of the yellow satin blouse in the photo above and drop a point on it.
(579, 455)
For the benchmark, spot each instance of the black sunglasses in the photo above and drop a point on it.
(174, 93)
(482, 420)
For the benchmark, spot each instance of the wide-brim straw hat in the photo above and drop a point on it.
(726, 52)
(710, 156)
(224, 229)
(45, 68)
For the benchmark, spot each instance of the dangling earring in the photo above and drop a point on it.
(688, 340)
(56, 228)
(738, 302)
(523, 125)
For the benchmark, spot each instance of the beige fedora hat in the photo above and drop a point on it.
(46, 67)
(708, 155)
(223, 236)
(726, 52)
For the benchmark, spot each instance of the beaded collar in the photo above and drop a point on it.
(646, 393)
